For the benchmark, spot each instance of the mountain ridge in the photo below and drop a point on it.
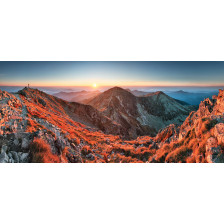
(148, 113)
(38, 127)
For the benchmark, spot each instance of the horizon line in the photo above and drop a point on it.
(222, 85)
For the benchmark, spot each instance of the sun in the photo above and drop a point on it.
(94, 85)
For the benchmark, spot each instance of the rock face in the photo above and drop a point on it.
(213, 151)
(140, 115)
(219, 132)
(200, 138)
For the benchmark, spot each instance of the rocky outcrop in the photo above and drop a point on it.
(219, 132)
(199, 139)
(214, 152)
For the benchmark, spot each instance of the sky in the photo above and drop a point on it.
(131, 73)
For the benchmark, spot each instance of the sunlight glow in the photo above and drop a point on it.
(94, 85)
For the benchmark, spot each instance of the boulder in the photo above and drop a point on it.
(4, 158)
(219, 132)
(211, 143)
(215, 155)
(16, 142)
(213, 151)
(14, 156)
(23, 157)
(25, 143)
(4, 148)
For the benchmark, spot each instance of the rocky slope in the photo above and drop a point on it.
(140, 115)
(37, 127)
(199, 139)
(31, 114)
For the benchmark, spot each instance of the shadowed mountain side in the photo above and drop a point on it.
(81, 113)
(140, 115)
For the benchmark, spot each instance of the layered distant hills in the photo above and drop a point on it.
(191, 98)
(117, 125)
(77, 96)
(183, 97)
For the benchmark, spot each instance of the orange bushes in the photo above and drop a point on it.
(86, 150)
(64, 155)
(179, 155)
(162, 152)
(41, 152)
(76, 141)
(18, 106)
(206, 125)
(36, 113)
(118, 158)
(32, 125)
(162, 136)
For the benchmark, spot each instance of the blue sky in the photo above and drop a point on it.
(112, 73)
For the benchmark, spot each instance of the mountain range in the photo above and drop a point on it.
(77, 96)
(113, 126)
(140, 115)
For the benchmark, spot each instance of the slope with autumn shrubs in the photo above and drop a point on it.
(41, 152)
(191, 142)
(53, 135)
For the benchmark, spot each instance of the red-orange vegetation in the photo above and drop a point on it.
(86, 150)
(179, 155)
(32, 125)
(41, 152)
(64, 155)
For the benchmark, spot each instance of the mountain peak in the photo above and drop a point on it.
(117, 91)
(117, 88)
(158, 93)
(30, 92)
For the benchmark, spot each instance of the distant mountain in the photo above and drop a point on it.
(191, 97)
(181, 91)
(138, 92)
(140, 115)
(77, 96)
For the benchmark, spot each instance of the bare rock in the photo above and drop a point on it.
(215, 155)
(4, 158)
(16, 142)
(23, 157)
(14, 156)
(211, 143)
(4, 148)
(219, 132)
(25, 143)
